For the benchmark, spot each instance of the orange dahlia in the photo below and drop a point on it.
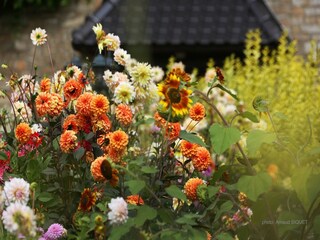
(101, 123)
(135, 200)
(159, 121)
(68, 141)
(23, 132)
(84, 123)
(209, 237)
(45, 85)
(72, 89)
(191, 186)
(174, 94)
(87, 200)
(118, 140)
(70, 123)
(56, 105)
(124, 114)
(99, 105)
(82, 80)
(201, 160)
(173, 131)
(96, 169)
(42, 103)
(101, 171)
(197, 112)
(83, 104)
(188, 149)
(116, 155)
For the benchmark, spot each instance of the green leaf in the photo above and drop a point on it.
(45, 197)
(78, 154)
(144, 213)
(224, 236)
(256, 138)
(149, 169)
(3, 156)
(176, 192)
(225, 207)
(250, 116)
(223, 137)
(119, 231)
(288, 221)
(135, 186)
(253, 186)
(33, 172)
(316, 225)
(306, 185)
(89, 136)
(191, 138)
(189, 219)
(166, 215)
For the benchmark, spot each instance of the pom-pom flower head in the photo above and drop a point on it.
(38, 36)
(54, 232)
(197, 112)
(68, 141)
(72, 89)
(99, 105)
(45, 85)
(118, 140)
(118, 211)
(83, 104)
(191, 186)
(124, 114)
(201, 160)
(23, 132)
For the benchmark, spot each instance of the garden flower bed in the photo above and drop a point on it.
(164, 154)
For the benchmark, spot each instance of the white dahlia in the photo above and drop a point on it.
(118, 211)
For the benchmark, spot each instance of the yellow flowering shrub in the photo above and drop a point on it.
(289, 82)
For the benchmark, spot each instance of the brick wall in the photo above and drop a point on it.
(301, 18)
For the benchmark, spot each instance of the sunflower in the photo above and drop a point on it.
(87, 200)
(101, 170)
(174, 94)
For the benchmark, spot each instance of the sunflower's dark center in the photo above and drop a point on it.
(174, 95)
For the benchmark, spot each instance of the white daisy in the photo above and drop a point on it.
(19, 219)
(157, 73)
(121, 56)
(112, 42)
(16, 190)
(38, 36)
(124, 93)
(118, 211)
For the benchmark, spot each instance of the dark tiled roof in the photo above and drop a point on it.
(174, 22)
